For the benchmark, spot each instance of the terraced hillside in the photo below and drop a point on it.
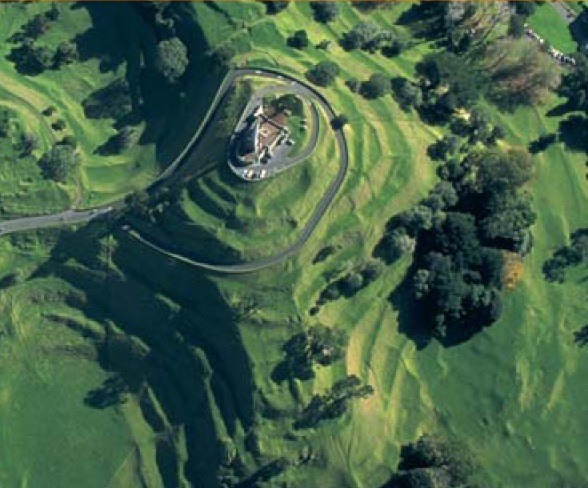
(153, 373)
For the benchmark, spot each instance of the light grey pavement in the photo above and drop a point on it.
(71, 217)
(68, 217)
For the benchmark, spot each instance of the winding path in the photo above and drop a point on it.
(76, 217)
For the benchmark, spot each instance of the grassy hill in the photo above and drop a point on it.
(160, 373)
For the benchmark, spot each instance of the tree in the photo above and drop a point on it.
(524, 8)
(32, 60)
(66, 53)
(37, 26)
(222, 55)
(5, 117)
(320, 344)
(58, 163)
(510, 216)
(442, 197)
(339, 121)
(274, 7)
(406, 93)
(376, 86)
(464, 82)
(323, 73)
(113, 101)
(521, 72)
(29, 142)
(393, 48)
(325, 12)
(444, 148)
(366, 35)
(433, 462)
(415, 219)
(398, 244)
(497, 171)
(516, 26)
(58, 125)
(298, 40)
(172, 59)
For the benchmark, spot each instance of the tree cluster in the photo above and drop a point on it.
(458, 235)
(321, 345)
(433, 462)
(574, 254)
(369, 36)
(332, 404)
(32, 59)
(111, 102)
(59, 163)
(351, 283)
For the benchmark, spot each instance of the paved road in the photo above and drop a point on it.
(69, 217)
(76, 217)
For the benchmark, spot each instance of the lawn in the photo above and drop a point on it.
(20, 183)
(547, 22)
(205, 346)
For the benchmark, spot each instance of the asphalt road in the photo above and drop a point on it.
(76, 217)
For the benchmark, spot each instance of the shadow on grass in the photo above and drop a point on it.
(170, 336)
(122, 33)
(573, 132)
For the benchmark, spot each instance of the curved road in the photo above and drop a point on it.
(75, 217)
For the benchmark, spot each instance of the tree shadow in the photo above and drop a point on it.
(412, 321)
(573, 132)
(581, 337)
(112, 392)
(166, 109)
(169, 350)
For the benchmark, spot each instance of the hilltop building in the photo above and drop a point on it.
(265, 130)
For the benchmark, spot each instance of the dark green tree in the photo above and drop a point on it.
(376, 86)
(59, 163)
(323, 73)
(325, 11)
(172, 59)
(298, 40)
(66, 53)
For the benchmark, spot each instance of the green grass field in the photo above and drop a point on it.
(200, 348)
(20, 182)
(549, 25)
